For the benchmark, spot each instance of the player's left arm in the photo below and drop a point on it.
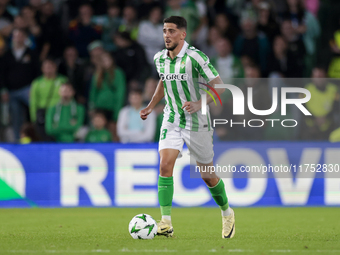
(192, 107)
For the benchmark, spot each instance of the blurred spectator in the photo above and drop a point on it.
(334, 67)
(28, 134)
(190, 13)
(28, 14)
(278, 62)
(20, 66)
(296, 48)
(261, 101)
(251, 43)
(322, 105)
(296, 14)
(144, 8)
(280, 7)
(150, 34)
(281, 61)
(6, 19)
(11, 7)
(82, 32)
(129, 22)
(36, 4)
(208, 47)
(110, 27)
(130, 127)
(98, 133)
(201, 32)
(225, 28)
(235, 6)
(95, 50)
(65, 118)
(31, 40)
(52, 39)
(227, 65)
(247, 61)
(108, 90)
(45, 94)
(266, 21)
(334, 137)
(130, 56)
(215, 7)
(5, 12)
(304, 23)
(73, 68)
(250, 9)
(312, 6)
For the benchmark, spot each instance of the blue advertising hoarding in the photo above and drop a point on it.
(64, 175)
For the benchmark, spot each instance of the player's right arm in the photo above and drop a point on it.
(156, 98)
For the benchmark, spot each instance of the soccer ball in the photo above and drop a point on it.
(143, 226)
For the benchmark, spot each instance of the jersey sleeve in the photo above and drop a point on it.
(156, 58)
(204, 67)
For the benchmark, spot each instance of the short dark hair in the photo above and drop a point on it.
(321, 67)
(124, 35)
(179, 21)
(21, 30)
(100, 112)
(28, 130)
(68, 84)
(49, 59)
(137, 90)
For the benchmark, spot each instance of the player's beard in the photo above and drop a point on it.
(171, 48)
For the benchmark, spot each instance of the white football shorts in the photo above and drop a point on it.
(200, 144)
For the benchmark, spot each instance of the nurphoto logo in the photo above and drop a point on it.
(239, 104)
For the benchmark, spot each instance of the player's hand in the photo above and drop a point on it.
(144, 113)
(192, 107)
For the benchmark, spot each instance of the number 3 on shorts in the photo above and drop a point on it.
(163, 134)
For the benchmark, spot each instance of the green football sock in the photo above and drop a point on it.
(165, 194)
(219, 195)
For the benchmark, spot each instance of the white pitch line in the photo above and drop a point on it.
(146, 250)
(239, 250)
(306, 250)
(166, 250)
(60, 251)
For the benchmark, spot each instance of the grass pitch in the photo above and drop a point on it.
(197, 231)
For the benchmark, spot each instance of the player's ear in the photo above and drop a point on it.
(183, 34)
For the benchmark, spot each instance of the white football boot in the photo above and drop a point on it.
(228, 225)
(164, 228)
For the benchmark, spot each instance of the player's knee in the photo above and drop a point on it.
(166, 168)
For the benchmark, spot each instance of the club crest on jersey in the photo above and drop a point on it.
(173, 77)
(182, 64)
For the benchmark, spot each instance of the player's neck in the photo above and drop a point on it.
(177, 50)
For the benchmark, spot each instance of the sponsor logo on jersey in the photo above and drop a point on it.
(174, 77)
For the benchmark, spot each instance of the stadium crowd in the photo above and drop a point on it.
(81, 70)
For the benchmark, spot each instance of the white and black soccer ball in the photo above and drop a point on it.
(143, 226)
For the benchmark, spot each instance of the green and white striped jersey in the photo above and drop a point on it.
(180, 77)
